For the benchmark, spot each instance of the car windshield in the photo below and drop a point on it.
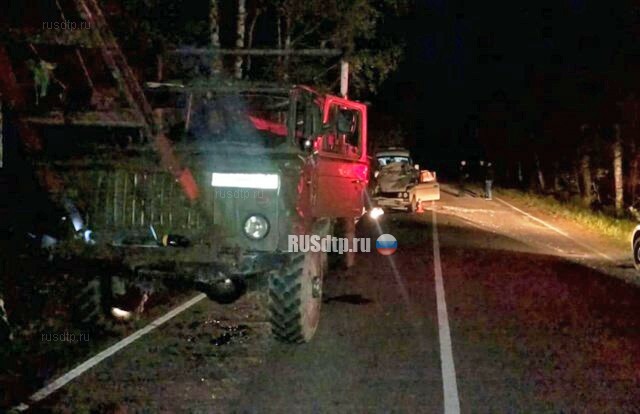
(386, 160)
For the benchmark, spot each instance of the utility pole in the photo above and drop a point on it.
(344, 78)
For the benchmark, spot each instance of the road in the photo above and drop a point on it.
(533, 315)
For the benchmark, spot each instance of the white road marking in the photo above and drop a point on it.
(449, 382)
(557, 230)
(91, 362)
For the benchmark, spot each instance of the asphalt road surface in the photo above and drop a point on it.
(532, 315)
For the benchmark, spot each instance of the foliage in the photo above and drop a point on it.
(356, 26)
(359, 27)
(163, 23)
(42, 75)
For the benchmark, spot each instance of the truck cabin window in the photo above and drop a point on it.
(307, 120)
(343, 132)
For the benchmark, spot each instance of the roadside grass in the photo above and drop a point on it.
(617, 228)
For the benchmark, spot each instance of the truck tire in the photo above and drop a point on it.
(295, 297)
(636, 253)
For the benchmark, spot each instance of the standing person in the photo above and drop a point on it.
(488, 181)
(462, 170)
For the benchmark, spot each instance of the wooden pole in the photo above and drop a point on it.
(344, 78)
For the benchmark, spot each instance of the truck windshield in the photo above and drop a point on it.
(244, 119)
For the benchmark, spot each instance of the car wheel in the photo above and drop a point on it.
(295, 297)
(413, 204)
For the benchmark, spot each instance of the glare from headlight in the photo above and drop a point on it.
(256, 227)
(121, 314)
(260, 181)
(376, 212)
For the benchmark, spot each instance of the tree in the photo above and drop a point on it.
(617, 170)
(240, 31)
(584, 165)
(214, 34)
(355, 27)
(361, 28)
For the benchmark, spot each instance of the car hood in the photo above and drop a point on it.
(395, 177)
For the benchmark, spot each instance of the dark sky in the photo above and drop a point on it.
(462, 56)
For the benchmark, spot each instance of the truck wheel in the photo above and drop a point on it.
(295, 297)
(636, 253)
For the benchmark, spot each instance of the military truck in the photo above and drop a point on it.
(204, 187)
(258, 182)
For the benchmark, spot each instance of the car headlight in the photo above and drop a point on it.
(399, 195)
(256, 227)
(376, 212)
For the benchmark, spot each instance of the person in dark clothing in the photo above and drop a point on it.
(463, 175)
(489, 176)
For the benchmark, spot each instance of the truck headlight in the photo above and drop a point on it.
(256, 227)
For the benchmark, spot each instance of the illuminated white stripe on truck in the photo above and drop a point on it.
(238, 180)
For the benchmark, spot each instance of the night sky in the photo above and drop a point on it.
(464, 57)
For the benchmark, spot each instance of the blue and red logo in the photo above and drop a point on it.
(386, 244)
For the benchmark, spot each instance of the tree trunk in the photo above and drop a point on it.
(287, 46)
(540, 175)
(159, 68)
(585, 174)
(252, 28)
(633, 171)
(242, 18)
(214, 34)
(617, 170)
(556, 177)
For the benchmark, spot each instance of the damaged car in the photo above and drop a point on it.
(400, 184)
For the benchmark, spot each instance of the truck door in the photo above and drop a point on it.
(342, 167)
